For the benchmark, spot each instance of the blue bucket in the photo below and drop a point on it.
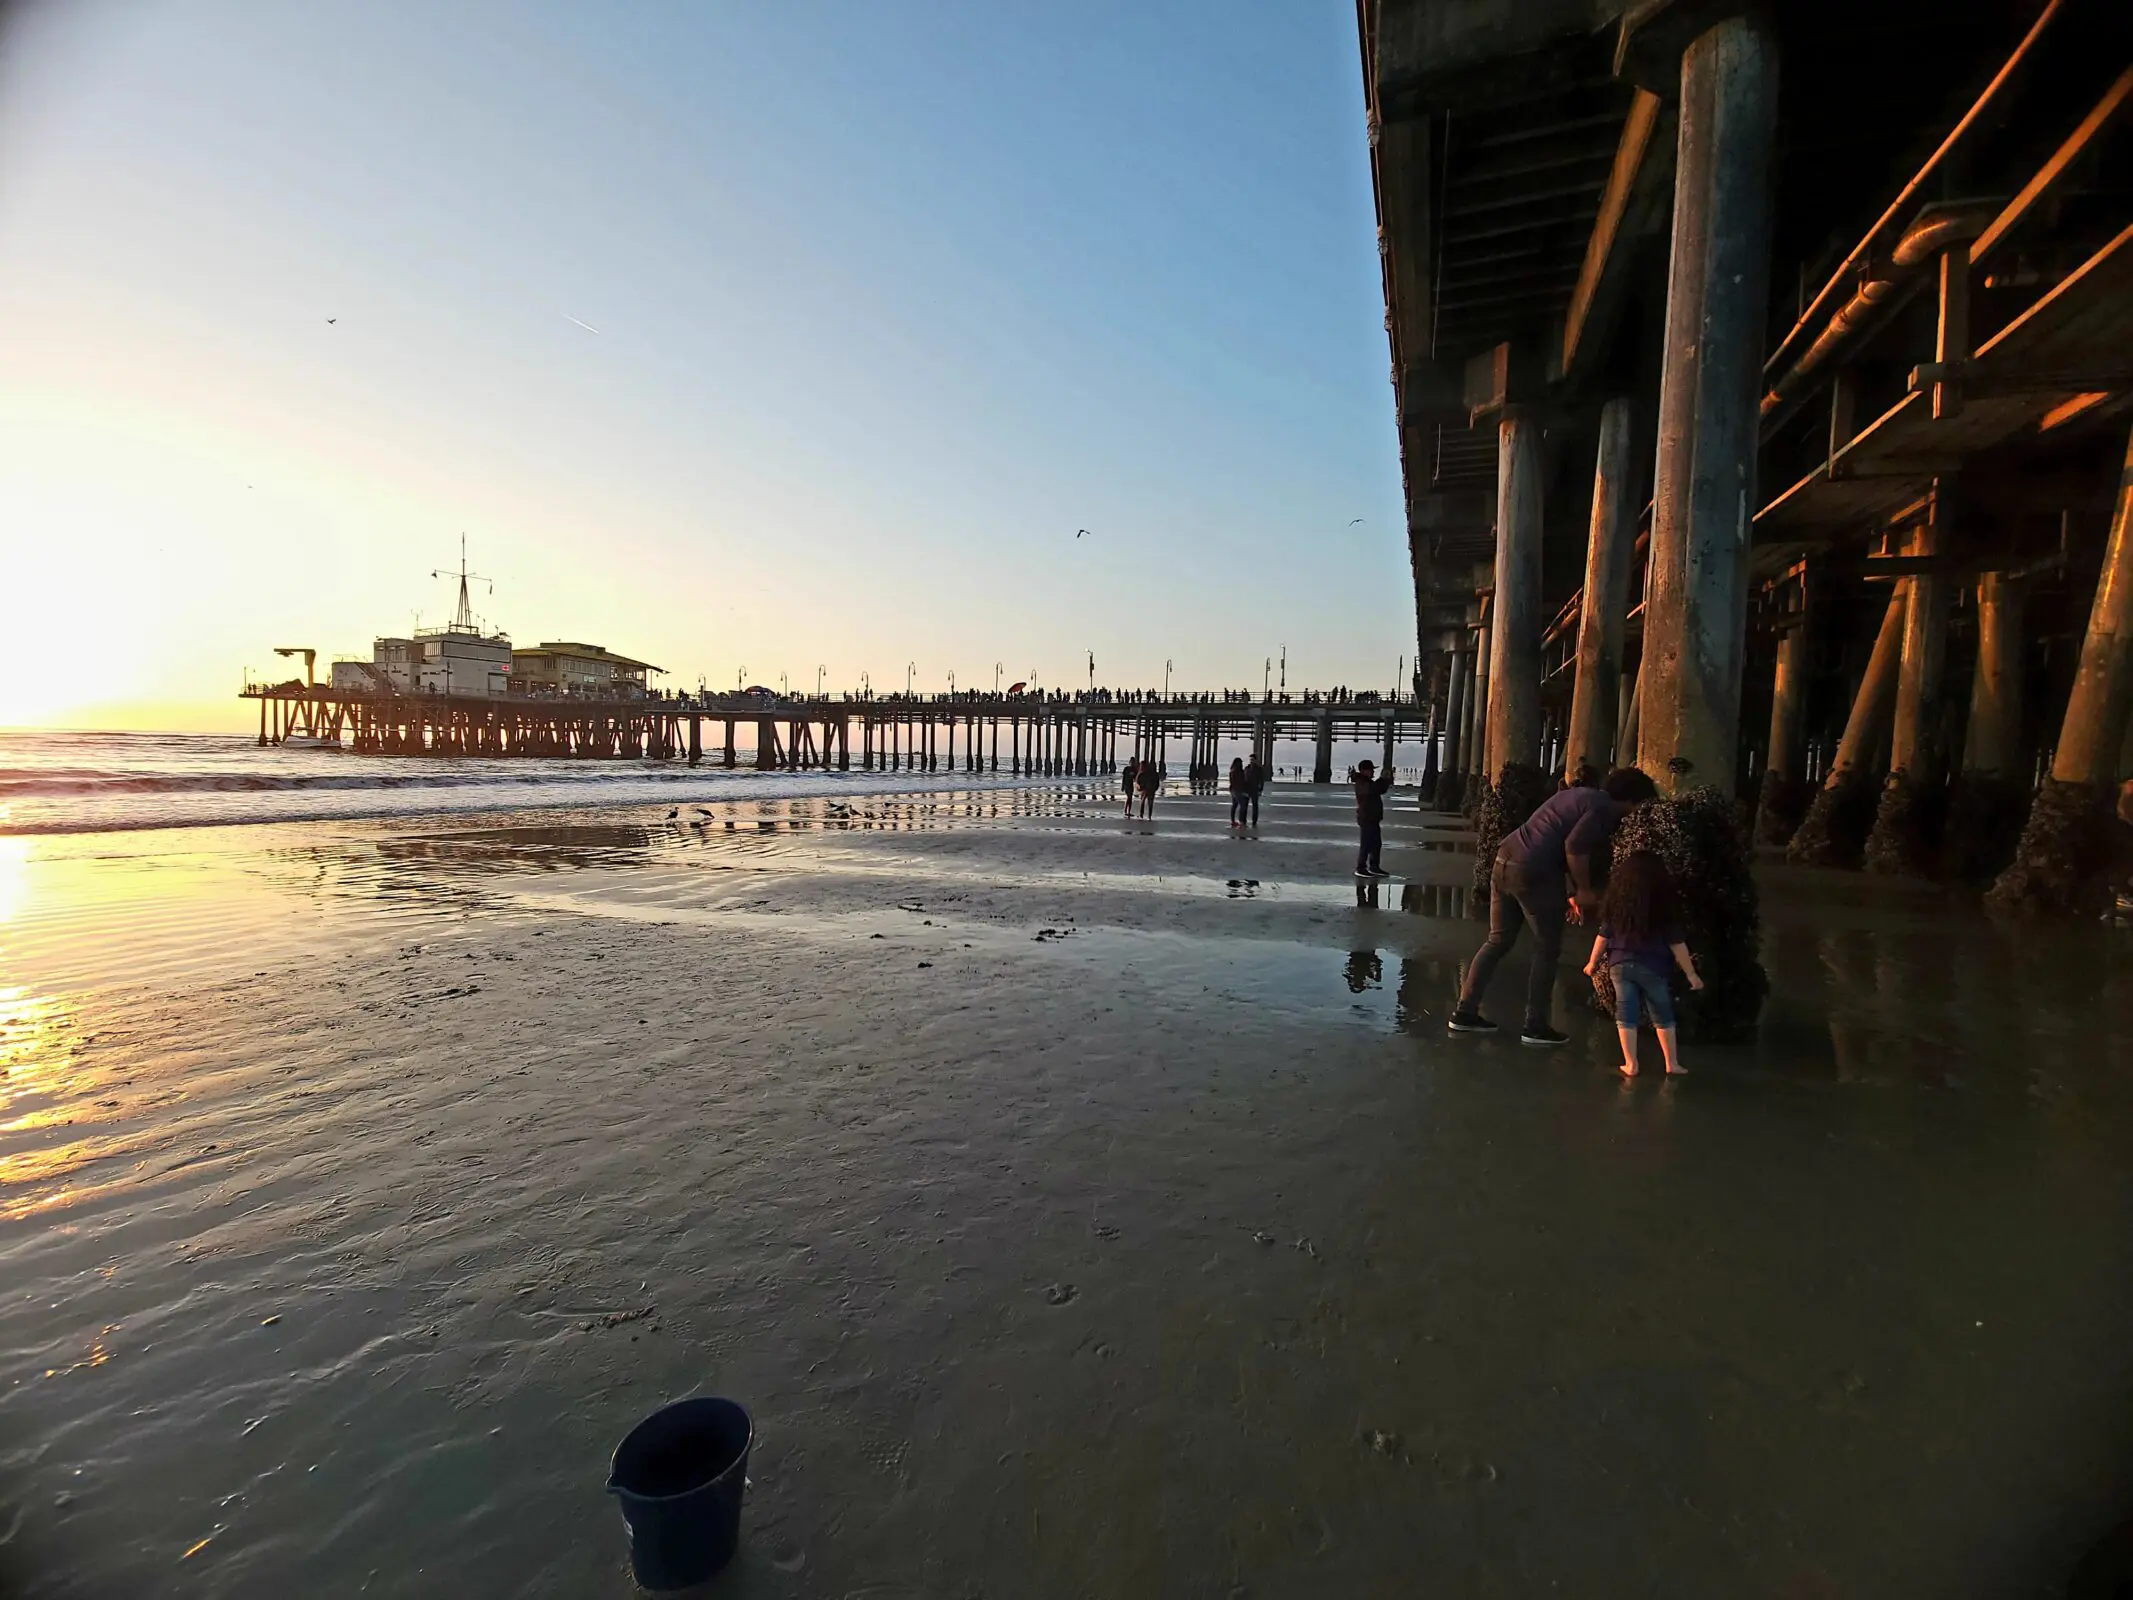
(679, 1475)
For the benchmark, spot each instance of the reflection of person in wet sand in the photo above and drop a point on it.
(1150, 780)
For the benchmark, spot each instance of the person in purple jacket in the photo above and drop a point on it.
(1542, 870)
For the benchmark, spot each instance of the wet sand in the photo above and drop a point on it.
(360, 1185)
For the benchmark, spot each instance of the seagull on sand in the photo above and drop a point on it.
(672, 814)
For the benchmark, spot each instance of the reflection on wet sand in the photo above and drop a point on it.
(1083, 1209)
(1437, 899)
(523, 849)
(1422, 994)
(39, 1046)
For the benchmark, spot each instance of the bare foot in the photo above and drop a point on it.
(1677, 1072)
(1628, 1069)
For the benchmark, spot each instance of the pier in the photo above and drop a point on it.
(1045, 734)
(1777, 444)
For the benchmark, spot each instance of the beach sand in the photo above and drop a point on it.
(362, 1184)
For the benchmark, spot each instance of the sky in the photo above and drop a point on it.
(748, 339)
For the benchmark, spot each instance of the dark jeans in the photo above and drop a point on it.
(1512, 903)
(1373, 845)
(1238, 802)
(1254, 798)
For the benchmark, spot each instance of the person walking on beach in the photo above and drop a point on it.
(1149, 780)
(1370, 819)
(1240, 792)
(1542, 870)
(1128, 780)
(1638, 931)
(1255, 777)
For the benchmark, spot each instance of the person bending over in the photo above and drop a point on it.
(1542, 871)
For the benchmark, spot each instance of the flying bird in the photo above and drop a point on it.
(701, 812)
(1352, 521)
(588, 327)
(1081, 533)
(330, 321)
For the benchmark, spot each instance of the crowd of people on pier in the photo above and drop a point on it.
(1017, 695)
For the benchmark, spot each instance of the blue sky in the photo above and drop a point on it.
(890, 300)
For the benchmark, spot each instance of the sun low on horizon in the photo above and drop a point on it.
(294, 304)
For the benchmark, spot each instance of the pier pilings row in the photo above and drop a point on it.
(1020, 736)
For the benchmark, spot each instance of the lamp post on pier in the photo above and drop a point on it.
(1166, 681)
(909, 668)
(996, 678)
(819, 671)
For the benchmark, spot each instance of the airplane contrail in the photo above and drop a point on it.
(588, 327)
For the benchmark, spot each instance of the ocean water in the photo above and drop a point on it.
(68, 782)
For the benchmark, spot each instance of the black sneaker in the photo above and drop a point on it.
(1469, 1022)
(1377, 872)
(1542, 1035)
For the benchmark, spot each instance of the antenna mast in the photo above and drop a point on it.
(463, 618)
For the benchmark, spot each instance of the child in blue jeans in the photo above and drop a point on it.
(1638, 932)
